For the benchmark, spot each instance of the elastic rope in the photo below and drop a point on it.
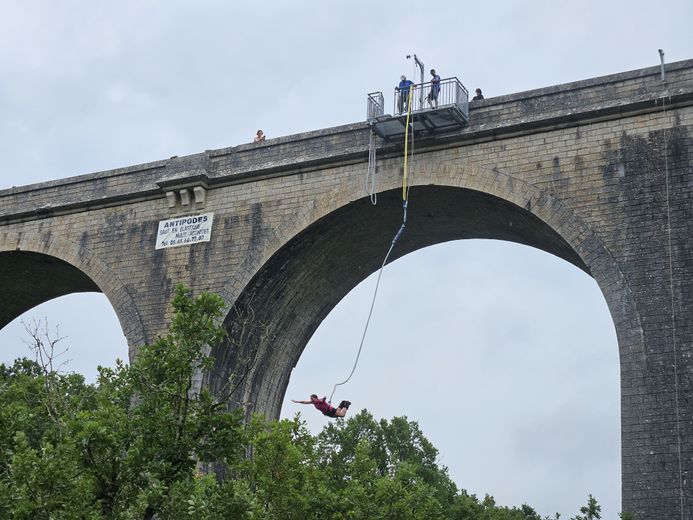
(375, 294)
(405, 204)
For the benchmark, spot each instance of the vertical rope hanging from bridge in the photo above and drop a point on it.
(673, 309)
(405, 197)
(371, 179)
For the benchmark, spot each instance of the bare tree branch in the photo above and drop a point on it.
(44, 347)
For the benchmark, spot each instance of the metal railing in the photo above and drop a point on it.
(450, 92)
(375, 106)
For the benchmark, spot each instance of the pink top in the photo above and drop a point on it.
(323, 405)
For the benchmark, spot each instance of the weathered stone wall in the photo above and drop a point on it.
(596, 172)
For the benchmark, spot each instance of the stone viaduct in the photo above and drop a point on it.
(597, 172)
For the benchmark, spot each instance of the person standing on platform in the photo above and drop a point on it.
(435, 90)
(404, 88)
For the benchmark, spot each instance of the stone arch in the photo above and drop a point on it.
(81, 270)
(541, 220)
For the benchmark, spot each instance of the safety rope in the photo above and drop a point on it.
(371, 178)
(673, 310)
(405, 191)
(405, 203)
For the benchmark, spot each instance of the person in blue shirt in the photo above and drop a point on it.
(435, 89)
(404, 88)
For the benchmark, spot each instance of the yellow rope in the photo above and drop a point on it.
(406, 143)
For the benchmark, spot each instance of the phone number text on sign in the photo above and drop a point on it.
(183, 231)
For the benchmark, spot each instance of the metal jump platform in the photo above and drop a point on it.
(449, 113)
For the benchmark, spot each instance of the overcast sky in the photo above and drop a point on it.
(505, 355)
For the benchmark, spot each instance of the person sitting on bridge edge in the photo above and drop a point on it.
(479, 96)
(325, 407)
(259, 137)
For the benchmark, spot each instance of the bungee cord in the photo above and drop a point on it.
(400, 231)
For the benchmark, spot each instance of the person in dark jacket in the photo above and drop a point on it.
(478, 96)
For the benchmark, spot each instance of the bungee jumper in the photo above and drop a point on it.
(325, 407)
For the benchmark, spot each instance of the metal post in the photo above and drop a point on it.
(421, 69)
(661, 57)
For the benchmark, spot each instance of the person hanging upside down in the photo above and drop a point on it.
(325, 407)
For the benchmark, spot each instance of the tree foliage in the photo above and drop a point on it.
(135, 444)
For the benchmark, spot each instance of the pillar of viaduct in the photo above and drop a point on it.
(597, 172)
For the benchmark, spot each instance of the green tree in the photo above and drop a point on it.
(39, 476)
(128, 445)
(135, 446)
(591, 511)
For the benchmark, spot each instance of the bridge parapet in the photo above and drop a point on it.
(581, 102)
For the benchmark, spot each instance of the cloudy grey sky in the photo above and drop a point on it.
(505, 355)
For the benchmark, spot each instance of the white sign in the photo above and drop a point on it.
(183, 231)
